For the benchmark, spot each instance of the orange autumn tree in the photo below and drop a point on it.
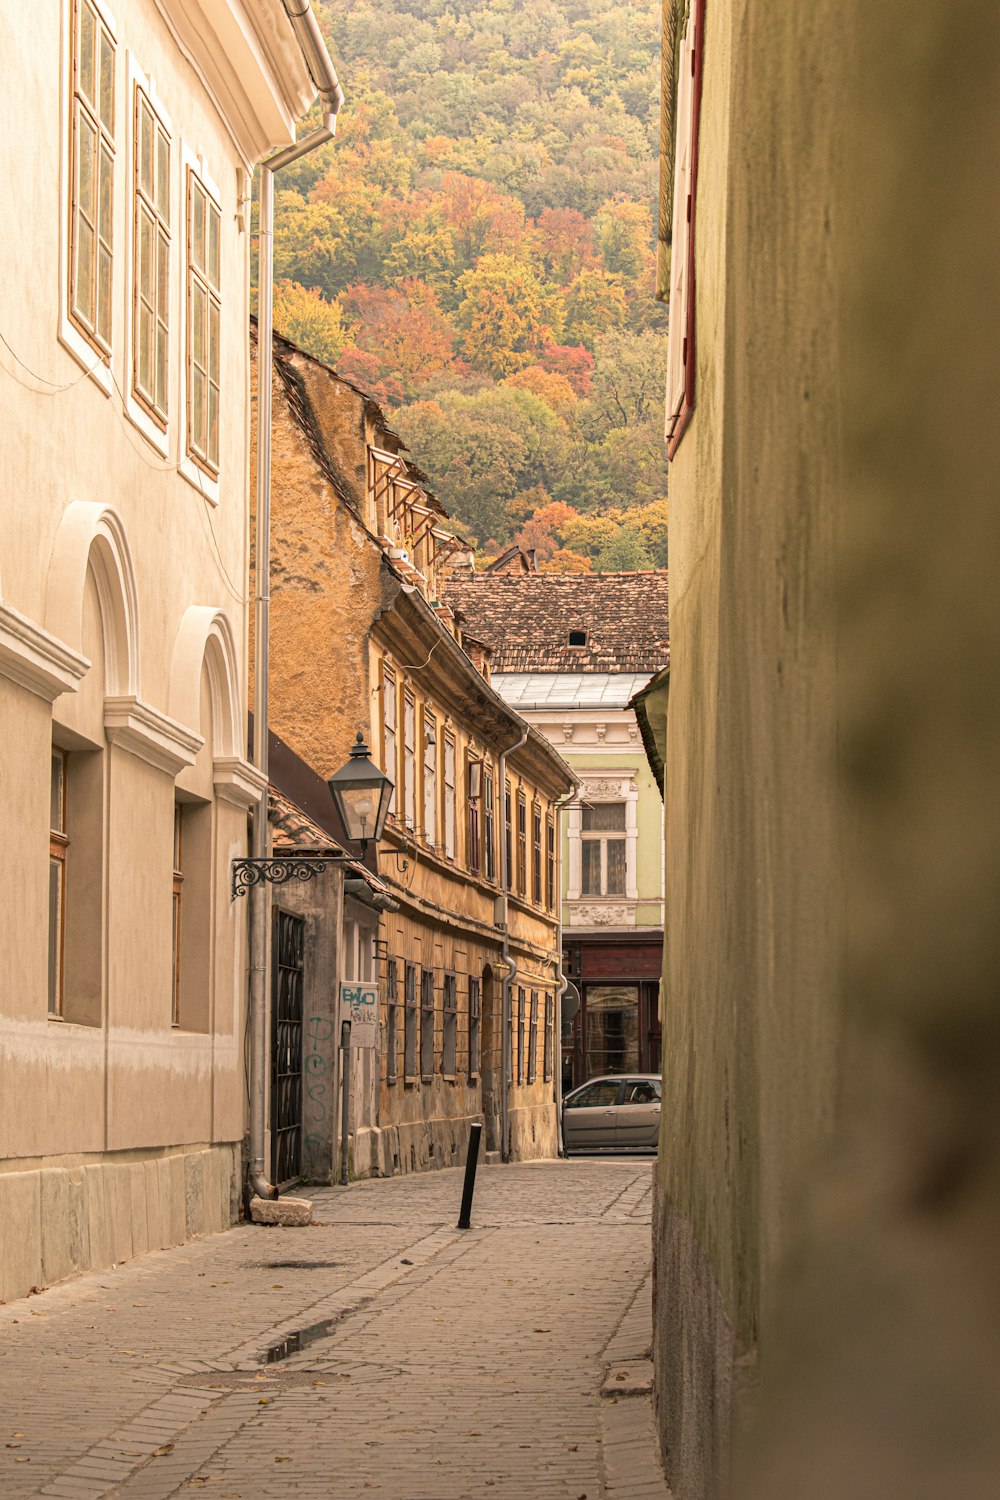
(405, 327)
(506, 314)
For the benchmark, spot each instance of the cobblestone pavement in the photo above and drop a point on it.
(378, 1353)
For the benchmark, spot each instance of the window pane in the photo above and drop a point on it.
(213, 424)
(87, 159)
(605, 816)
(198, 326)
(106, 196)
(104, 294)
(55, 935)
(107, 83)
(161, 367)
(56, 796)
(162, 177)
(616, 867)
(85, 270)
(197, 226)
(198, 410)
(145, 266)
(86, 60)
(213, 341)
(213, 246)
(144, 319)
(591, 867)
(145, 149)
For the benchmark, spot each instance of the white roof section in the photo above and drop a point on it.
(569, 690)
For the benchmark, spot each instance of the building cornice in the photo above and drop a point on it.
(238, 782)
(149, 735)
(36, 660)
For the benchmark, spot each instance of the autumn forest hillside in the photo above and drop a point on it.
(476, 250)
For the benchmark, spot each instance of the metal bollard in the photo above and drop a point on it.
(471, 1163)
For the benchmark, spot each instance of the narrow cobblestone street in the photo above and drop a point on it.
(408, 1360)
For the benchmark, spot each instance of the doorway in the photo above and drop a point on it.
(287, 970)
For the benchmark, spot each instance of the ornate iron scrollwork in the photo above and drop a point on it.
(280, 869)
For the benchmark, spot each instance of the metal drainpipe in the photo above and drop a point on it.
(560, 804)
(323, 75)
(505, 1006)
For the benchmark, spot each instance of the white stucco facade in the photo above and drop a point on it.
(123, 624)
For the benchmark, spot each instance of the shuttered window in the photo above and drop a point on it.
(204, 355)
(91, 230)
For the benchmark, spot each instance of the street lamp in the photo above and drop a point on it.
(361, 793)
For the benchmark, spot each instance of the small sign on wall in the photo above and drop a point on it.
(359, 1005)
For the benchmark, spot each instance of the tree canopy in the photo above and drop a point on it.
(476, 249)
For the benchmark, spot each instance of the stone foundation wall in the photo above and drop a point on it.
(65, 1217)
(427, 1144)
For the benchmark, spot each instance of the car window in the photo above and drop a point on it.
(641, 1091)
(595, 1095)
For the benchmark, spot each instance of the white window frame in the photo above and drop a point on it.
(98, 367)
(205, 483)
(135, 409)
(604, 786)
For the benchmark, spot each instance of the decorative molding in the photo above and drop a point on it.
(567, 730)
(603, 787)
(238, 782)
(36, 660)
(150, 735)
(588, 914)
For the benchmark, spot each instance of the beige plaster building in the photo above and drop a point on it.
(468, 959)
(829, 1177)
(129, 139)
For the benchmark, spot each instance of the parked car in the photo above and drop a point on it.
(620, 1113)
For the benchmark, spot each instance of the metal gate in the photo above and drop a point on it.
(287, 964)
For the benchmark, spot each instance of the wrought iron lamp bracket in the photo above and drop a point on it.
(281, 868)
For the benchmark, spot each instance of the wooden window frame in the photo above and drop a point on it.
(198, 279)
(548, 1041)
(536, 853)
(449, 1032)
(489, 824)
(508, 833)
(90, 110)
(532, 1036)
(450, 795)
(522, 843)
(154, 402)
(473, 827)
(475, 1027)
(411, 1030)
(390, 694)
(550, 862)
(410, 759)
(426, 1059)
(58, 847)
(391, 1021)
(521, 997)
(429, 778)
(681, 360)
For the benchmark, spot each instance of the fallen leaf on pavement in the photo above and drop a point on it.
(163, 1451)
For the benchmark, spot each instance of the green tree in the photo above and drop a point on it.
(506, 314)
(306, 318)
(594, 302)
